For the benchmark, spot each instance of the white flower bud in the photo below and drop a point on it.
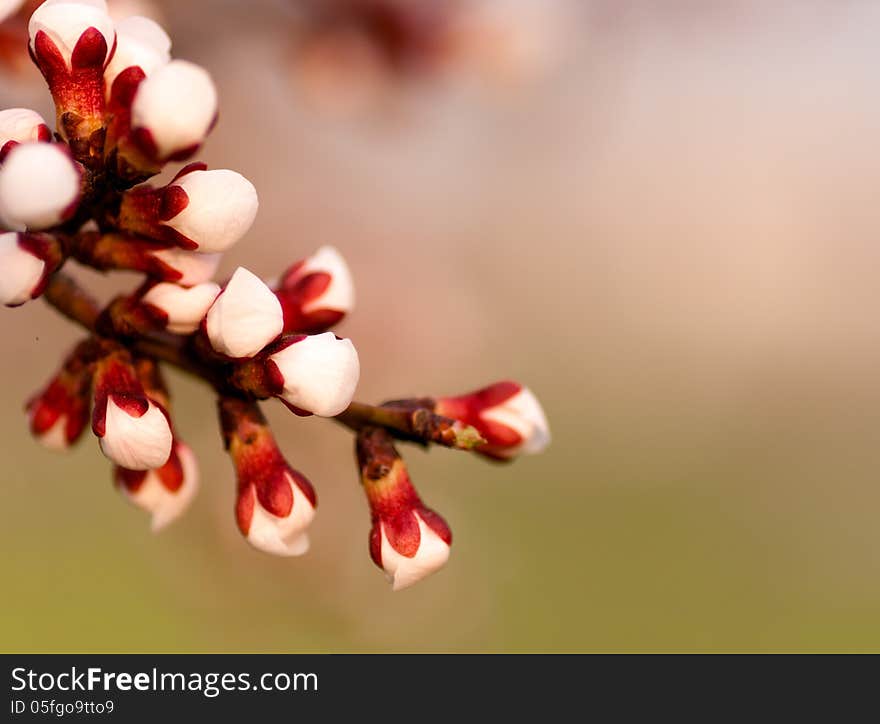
(245, 317)
(339, 294)
(282, 536)
(20, 271)
(141, 42)
(39, 183)
(22, 125)
(185, 307)
(64, 22)
(221, 210)
(320, 373)
(402, 571)
(136, 443)
(153, 496)
(524, 414)
(194, 267)
(175, 107)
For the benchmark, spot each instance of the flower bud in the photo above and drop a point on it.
(21, 125)
(184, 308)
(140, 42)
(134, 431)
(317, 374)
(245, 317)
(59, 414)
(79, 33)
(506, 414)
(276, 504)
(173, 111)
(189, 267)
(164, 493)
(408, 540)
(39, 186)
(316, 293)
(26, 261)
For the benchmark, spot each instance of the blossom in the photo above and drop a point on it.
(77, 32)
(245, 317)
(317, 373)
(21, 125)
(39, 186)
(183, 307)
(506, 414)
(173, 110)
(140, 42)
(164, 493)
(317, 292)
(22, 271)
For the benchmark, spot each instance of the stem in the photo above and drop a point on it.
(414, 423)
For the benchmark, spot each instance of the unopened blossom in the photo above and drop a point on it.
(201, 210)
(173, 110)
(276, 504)
(408, 540)
(317, 292)
(25, 261)
(21, 125)
(316, 373)
(183, 308)
(506, 414)
(245, 317)
(140, 42)
(164, 493)
(133, 430)
(59, 414)
(189, 268)
(77, 32)
(39, 186)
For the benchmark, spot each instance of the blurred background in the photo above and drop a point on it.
(661, 216)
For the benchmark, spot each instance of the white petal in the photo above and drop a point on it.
(177, 104)
(339, 295)
(38, 182)
(283, 536)
(136, 443)
(185, 307)
(320, 373)
(165, 505)
(21, 125)
(523, 413)
(221, 210)
(20, 271)
(245, 317)
(403, 572)
(195, 267)
(65, 22)
(141, 42)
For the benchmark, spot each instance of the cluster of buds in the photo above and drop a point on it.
(124, 110)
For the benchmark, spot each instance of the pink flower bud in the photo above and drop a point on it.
(173, 111)
(165, 493)
(316, 293)
(39, 186)
(134, 431)
(317, 374)
(212, 210)
(183, 307)
(21, 125)
(140, 42)
(78, 33)
(408, 540)
(245, 317)
(22, 272)
(506, 414)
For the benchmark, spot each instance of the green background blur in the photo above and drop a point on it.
(673, 239)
